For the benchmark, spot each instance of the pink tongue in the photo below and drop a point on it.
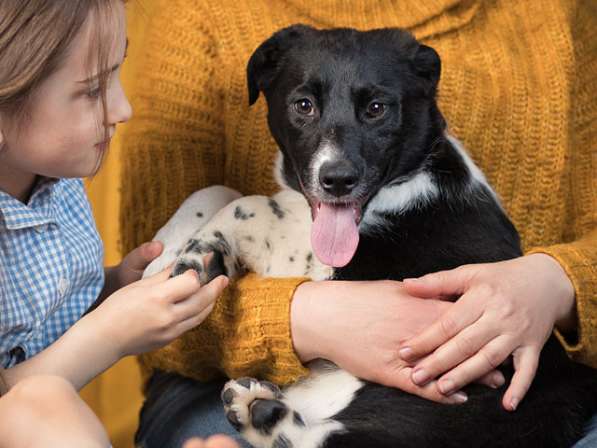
(334, 235)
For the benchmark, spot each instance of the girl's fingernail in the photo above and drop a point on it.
(459, 397)
(419, 377)
(513, 404)
(405, 352)
(446, 386)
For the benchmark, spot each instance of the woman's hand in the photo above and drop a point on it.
(360, 325)
(505, 308)
(152, 312)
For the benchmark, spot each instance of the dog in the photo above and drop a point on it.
(374, 187)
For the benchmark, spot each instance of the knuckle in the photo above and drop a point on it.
(465, 346)
(448, 326)
(486, 290)
(388, 358)
(165, 320)
(492, 358)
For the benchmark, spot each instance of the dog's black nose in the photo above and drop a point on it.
(338, 178)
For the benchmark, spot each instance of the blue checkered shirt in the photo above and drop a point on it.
(51, 266)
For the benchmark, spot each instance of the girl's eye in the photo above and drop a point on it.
(304, 107)
(375, 109)
(94, 92)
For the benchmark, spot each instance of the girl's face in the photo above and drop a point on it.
(63, 134)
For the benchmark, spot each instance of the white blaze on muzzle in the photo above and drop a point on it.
(334, 234)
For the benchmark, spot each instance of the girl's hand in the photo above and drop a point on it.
(505, 308)
(360, 325)
(152, 312)
(218, 441)
(134, 263)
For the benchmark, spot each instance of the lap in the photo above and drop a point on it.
(590, 438)
(179, 408)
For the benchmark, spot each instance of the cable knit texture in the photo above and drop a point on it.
(518, 88)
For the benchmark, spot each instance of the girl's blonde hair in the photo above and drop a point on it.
(35, 36)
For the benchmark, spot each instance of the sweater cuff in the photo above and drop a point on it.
(578, 265)
(266, 306)
(246, 334)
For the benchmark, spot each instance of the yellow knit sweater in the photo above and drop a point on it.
(518, 87)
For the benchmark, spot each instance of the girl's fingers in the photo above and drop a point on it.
(460, 348)
(159, 277)
(445, 328)
(194, 304)
(220, 441)
(217, 441)
(193, 321)
(486, 360)
(526, 360)
(178, 288)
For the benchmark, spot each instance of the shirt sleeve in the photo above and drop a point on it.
(578, 256)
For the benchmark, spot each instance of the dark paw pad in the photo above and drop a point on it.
(234, 420)
(265, 414)
(227, 396)
(216, 266)
(182, 267)
(246, 382)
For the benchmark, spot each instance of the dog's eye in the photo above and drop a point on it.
(375, 109)
(304, 107)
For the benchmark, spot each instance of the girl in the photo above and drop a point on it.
(60, 102)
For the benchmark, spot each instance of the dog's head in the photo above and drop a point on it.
(351, 112)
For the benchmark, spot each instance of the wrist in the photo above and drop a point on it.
(106, 340)
(565, 319)
(302, 319)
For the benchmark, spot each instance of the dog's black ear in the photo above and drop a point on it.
(428, 66)
(268, 58)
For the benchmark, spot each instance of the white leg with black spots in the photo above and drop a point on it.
(196, 211)
(268, 236)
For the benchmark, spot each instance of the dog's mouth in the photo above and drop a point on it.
(335, 233)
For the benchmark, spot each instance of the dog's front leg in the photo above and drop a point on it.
(193, 214)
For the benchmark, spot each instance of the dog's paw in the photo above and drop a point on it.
(209, 255)
(251, 403)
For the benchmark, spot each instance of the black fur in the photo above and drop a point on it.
(344, 75)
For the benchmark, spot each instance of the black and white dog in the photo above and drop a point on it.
(365, 155)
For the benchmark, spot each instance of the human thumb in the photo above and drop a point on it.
(440, 285)
(140, 257)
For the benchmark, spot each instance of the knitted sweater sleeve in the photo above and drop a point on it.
(578, 257)
(173, 147)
